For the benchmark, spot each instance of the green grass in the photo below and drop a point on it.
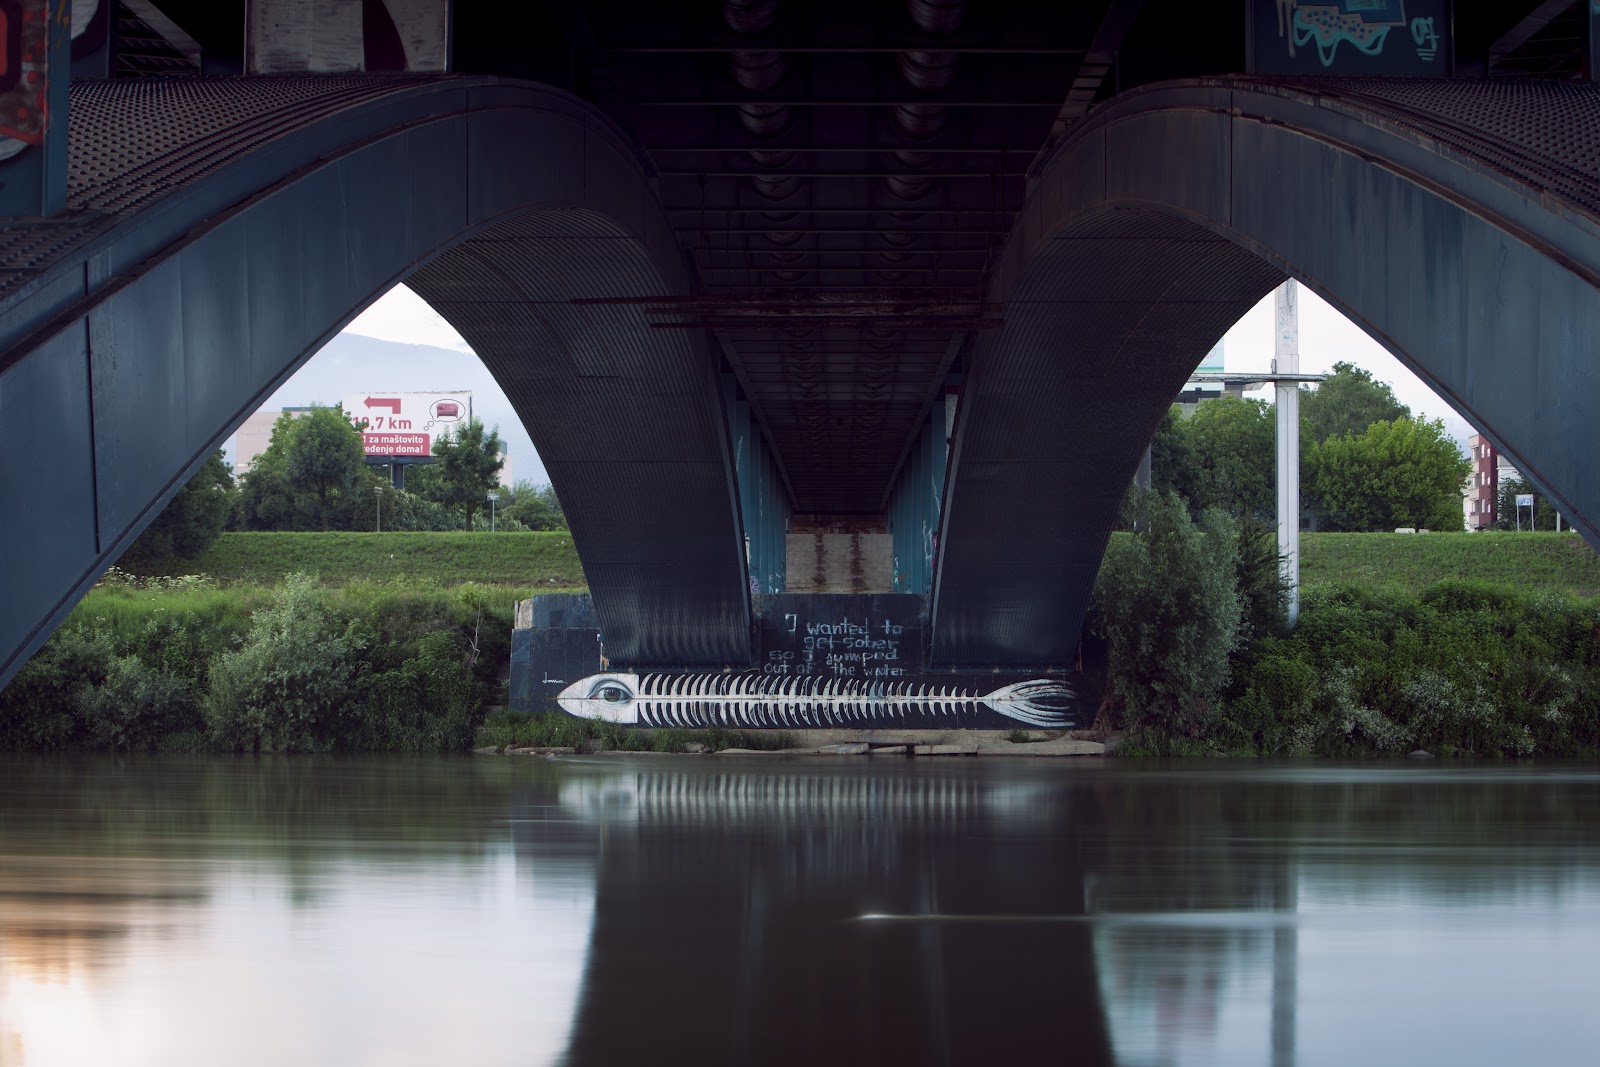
(535, 562)
(510, 566)
(1531, 562)
(122, 610)
(550, 730)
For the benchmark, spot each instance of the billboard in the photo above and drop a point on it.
(406, 424)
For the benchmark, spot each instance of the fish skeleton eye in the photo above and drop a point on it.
(611, 693)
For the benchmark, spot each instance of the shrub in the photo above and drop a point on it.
(289, 687)
(1168, 608)
(551, 729)
(41, 709)
(136, 707)
(426, 704)
(1263, 592)
(1462, 669)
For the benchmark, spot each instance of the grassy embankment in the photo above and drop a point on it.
(427, 613)
(1531, 562)
(525, 564)
(534, 562)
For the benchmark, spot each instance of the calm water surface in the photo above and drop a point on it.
(723, 910)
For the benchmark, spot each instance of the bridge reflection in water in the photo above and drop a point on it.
(744, 911)
(781, 916)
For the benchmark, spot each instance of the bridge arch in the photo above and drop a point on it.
(1457, 222)
(222, 230)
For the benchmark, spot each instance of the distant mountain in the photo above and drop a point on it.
(353, 363)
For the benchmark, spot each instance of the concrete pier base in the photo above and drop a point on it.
(857, 662)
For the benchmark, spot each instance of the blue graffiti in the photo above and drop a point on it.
(1425, 37)
(1363, 24)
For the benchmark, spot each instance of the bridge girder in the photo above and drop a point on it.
(1452, 235)
(209, 257)
(1446, 218)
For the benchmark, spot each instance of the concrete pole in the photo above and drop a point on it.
(1286, 351)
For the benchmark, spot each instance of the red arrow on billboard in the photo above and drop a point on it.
(390, 402)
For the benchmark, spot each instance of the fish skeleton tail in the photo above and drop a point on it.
(1037, 703)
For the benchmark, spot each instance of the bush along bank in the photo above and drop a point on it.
(1189, 614)
(183, 666)
(1199, 660)
(1464, 669)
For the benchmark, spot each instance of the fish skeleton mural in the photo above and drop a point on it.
(758, 700)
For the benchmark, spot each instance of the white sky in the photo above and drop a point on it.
(426, 355)
(403, 316)
(1326, 338)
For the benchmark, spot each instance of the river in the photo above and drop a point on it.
(707, 910)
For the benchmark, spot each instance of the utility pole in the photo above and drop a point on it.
(1286, 352)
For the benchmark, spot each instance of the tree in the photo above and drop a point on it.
(1173, 466)
(414, 513)
(268, 499)
(324, 455)
(1168, 606)
(468, 466)
(535, 506)
(1233, 444)
(1395, 474)
(424, 480)
(1348, 402)
(190, 521)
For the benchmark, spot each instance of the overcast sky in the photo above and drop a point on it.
(401, 344)
(1326, 338)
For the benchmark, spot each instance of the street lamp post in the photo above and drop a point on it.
(1285, 376)
(377, 505)
(492, 498)
(1286, 360)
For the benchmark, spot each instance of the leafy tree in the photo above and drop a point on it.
(190, 521)
(1233, 444)
(468, 466)
(535, 507)
(1168, 606)
(1402, 473)
(424, 481)
(1544, 512)
(1174, 468)
(413, 512)
(324, 455)
(269, 499)
(1348, 402)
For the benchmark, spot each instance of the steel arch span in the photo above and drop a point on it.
(221, 230)
(1457, 222)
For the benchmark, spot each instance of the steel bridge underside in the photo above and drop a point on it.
(221, 230)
